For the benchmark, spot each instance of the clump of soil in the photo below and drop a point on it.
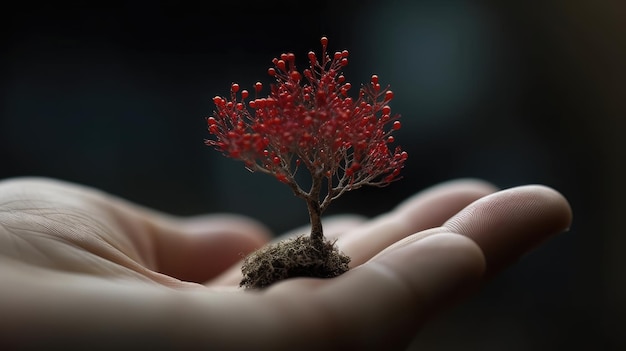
(294, 257)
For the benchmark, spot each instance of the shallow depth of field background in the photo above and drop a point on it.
(115, 95)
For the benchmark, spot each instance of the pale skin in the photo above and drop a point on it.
(79, 268)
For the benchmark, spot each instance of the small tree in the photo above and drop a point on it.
(309, 123)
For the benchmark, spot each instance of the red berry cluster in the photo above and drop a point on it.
(309, 120)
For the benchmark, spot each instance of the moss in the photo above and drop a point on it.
(294, 257)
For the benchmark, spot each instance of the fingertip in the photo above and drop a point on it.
(511, 222)
(556, 202)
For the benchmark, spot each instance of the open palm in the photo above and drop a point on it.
(81, 269)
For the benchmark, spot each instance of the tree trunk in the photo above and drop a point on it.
(315, 214)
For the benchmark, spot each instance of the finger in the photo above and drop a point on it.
(427, 209)
(508, 223)
(381, 304)
(511, 222)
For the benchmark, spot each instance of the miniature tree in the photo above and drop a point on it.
(308, 124)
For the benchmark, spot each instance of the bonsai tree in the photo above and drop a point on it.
(308, 127)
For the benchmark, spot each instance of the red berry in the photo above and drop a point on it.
(295, 75)
(281, 65)
(388, 95)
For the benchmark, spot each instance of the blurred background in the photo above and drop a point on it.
(115, 95)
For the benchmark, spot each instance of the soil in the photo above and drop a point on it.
(294, 257)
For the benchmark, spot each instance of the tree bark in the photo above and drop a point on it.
(315, 215)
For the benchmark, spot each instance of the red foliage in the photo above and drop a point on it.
(309, 120)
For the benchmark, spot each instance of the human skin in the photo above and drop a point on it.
(80, 268)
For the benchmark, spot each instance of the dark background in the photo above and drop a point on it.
(114, 95)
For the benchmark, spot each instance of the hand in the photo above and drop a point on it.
(80, 268)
